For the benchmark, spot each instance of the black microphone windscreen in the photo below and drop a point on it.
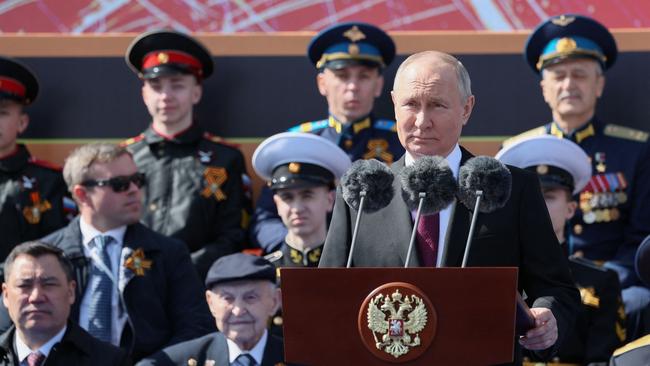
(488, 175)
(430, 175)
(371, 176)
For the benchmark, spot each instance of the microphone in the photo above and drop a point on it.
(366, 187)
(428, 185)
(484, 185)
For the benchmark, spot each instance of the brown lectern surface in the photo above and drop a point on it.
(475, 312)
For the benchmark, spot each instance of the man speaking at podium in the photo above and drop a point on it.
(433, 101)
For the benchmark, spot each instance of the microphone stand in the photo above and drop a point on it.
(422, 195)
(362, 194)
(479, 195)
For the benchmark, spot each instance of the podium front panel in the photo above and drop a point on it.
(475, 314)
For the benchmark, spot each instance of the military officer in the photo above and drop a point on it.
(195, 190)
(33, 195)
(350, 59)
(564, 169)
(301, 169)
(571, 52)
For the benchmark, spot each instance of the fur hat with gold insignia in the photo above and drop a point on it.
(570, 36)
(559, 163)
(298, 159)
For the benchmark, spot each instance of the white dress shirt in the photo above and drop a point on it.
(257, 352)
(22, 350)
(88, 233)
(445, 215)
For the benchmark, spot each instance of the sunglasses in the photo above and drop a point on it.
(118, 184)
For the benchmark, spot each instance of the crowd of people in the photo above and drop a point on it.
(133, 252)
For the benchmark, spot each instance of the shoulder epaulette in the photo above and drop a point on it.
(539, 131)
(44, 164)
(310, 126)
(132, 140)
(641, 342)
(274, 257)
(626, 133)
(218, 139)
(385, 124)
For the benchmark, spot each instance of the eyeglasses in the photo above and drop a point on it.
(118, 184)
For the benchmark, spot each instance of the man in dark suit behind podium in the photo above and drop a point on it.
(433, 101)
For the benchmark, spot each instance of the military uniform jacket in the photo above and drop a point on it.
(367, 138)
(194, 191)
(613, 215)
(518, 235)
(288, 256)
(32, 196)
(600, 324)
(77, 347)
(212, 347)
(163, 295)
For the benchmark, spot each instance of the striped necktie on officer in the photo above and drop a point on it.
(244, 359)
(100, 307)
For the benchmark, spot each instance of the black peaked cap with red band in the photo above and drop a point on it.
(17, 81)
(167, 52)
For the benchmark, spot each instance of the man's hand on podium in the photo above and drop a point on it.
(544, 334)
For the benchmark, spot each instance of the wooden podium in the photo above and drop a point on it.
(473, 315)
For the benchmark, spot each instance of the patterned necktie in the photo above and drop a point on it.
(35, 359)
(244, 360)
(427, 235)
(100, 308)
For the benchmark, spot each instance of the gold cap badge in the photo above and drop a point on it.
(163, 58)
(542, 169)
(294, 168)
(563, 20)
(354, 34)
(353, 49)
(566, 44)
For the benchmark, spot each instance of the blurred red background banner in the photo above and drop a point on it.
(232, 16)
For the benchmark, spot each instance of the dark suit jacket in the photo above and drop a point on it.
(165, 306)
(77, 347)
(517, 235)
(212, 347)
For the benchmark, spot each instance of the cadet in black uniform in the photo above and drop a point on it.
(301, 169)
(195, 190)
(564, 169)
(350, 58)
(571, 52)
(33, 195)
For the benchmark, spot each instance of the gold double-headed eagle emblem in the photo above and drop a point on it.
(395, 321)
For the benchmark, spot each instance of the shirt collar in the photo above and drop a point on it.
(190, 135)
(88, 233)
(578, 135)
(23, 350)
(453, 159)
(15, 161)
(354, 126)
(257, 352)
